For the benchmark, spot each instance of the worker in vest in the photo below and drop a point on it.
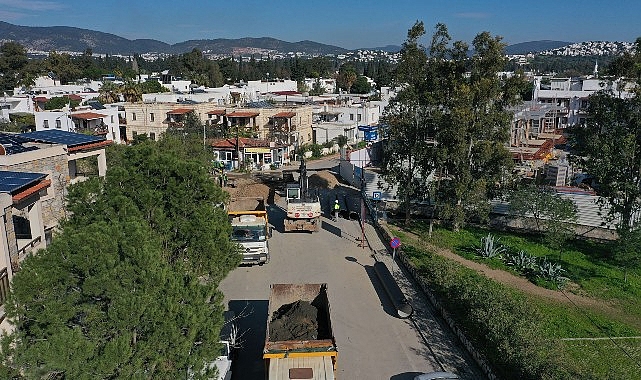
(337, 208)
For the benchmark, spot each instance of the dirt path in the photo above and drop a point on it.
(526, 286)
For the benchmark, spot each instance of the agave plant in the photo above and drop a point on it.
(490, 247)
(522, 261)
(551, 272)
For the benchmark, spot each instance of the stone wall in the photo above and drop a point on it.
(12, 242)
(57, 169)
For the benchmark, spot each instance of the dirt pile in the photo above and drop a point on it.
(324, 179)
(248, 187)
(295, 321)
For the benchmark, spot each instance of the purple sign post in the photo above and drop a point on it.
(394, 243)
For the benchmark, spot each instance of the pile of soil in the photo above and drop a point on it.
(324, 179)
(248, 187)
(295, 321)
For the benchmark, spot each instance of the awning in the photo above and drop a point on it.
(288, 115)
(257, 150)
(243, 114)
(216, 112)
(179, 111)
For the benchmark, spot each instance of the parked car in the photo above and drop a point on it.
(437, 376)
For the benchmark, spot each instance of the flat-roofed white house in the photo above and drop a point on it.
(103, 122)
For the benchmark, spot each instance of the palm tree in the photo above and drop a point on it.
(109, 92)
(131, 92)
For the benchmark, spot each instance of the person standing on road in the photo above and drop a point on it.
(337, 208)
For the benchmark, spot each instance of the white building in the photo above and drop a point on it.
(272, 85)
(570, 98)
(328, 84)
(99, 122)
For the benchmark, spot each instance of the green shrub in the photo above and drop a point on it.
(500, 322)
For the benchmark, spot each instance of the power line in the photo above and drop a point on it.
(610, 338)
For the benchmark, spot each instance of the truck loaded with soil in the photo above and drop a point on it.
(299, 339)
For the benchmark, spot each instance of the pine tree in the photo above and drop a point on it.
(101, 302)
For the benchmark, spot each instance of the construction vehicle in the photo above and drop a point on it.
(299, 342)
(303, 208)
(250, 228)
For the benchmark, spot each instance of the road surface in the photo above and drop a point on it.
(372, 342)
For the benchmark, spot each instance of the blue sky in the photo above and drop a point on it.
(348, 24)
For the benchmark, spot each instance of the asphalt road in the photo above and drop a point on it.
(372, 342)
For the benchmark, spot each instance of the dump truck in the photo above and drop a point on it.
(250, 228)
(303, 208)
(299, 343)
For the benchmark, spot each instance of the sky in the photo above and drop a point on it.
(350, 24)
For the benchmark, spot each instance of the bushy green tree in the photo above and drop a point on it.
(174, 193)
(152, 86)
(102, 303)
(128, 287)
(546, 213)
(608, 147)
(361, 86)
(13, 60)
(62, 66)
(346, 77)
(410, 127)
(472, 156)
(59, 102)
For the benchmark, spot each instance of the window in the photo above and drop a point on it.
(351, 116)
(112, 119)
(58, 124)
(133, 116)
(151, 117)
(45, 124)
(152, 135)
(359, 117)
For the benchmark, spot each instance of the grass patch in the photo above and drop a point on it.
(588, 265)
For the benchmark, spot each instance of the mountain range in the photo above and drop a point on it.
(64, 38)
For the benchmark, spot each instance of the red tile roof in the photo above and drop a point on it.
(179, 111)
(31, 190)
(243, 114)
(285, 114)
(40, 99)
(88, 116)
(74, 97)
(216, 112)
(89, 146)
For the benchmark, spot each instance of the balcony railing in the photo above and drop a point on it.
(25, 247)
